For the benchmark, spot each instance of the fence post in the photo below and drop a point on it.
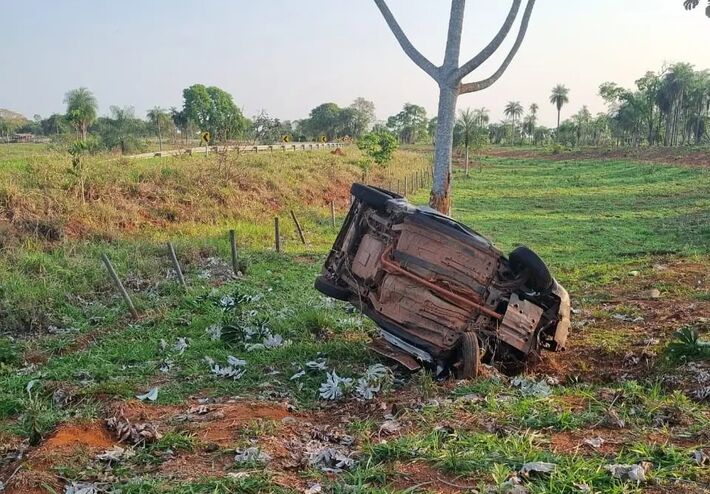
(233, 245)
(332, 214)
(119, 285)
(176, 264)
(277, 234)
(298, 227)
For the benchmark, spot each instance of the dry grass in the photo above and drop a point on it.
(41, 197)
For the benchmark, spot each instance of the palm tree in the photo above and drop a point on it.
(559, 98)
(81, 109)
(691, 4)
(513, 110)
(158, 117)
(670, 98)
(480, 115)
(466, 124)
(532, 120)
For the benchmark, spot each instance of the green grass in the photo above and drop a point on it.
(591, 221)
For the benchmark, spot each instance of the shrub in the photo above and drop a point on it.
(378, 146)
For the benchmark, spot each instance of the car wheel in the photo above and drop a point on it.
(470, 355)
(375, 198)
(327, 287)
(523, 259)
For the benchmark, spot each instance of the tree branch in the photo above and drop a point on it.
(453, 39)
(479, 85)
(490, 49)
(419, 59)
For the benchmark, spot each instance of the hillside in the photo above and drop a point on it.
(11, 115)
(46, 198)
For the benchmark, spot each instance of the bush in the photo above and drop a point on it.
(8, 354)
(378, 146)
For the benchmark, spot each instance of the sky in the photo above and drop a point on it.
(286, 56)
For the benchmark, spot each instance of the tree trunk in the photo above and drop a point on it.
(440, 198)
(558, 123)
(160, 139)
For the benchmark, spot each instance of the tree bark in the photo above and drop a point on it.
(440, 198)
(449, 77)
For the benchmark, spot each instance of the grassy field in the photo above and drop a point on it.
(627, 392)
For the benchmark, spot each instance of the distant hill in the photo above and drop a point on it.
(11, 115)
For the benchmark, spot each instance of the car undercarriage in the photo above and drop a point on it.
(441, 293)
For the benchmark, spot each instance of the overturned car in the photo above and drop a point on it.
(441, 293)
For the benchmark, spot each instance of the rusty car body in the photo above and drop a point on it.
(441, 293)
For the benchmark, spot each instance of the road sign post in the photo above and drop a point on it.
(206, 140)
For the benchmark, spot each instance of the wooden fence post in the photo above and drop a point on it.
(233, 245)
(332, 214)
(277, 234)
(298, 227)
(176, 265)
(119, 285)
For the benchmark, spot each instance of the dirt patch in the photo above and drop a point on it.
(33, 482)
(70, 437)
(71, 445)
(603, 441)
(137, 411)
(228, 420)
(623, 335)
(429, 479)
(194, 466)
(216, 423)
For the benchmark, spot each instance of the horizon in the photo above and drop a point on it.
(342, 55)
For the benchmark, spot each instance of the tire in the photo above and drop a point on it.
(327, 287)
(523, 259)
(470, 355)
(371, 196)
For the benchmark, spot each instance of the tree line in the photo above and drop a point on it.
(668, 108)
(205, 109)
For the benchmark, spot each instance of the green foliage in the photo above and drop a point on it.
(81, 109)
(410, 125)
(378, 146)
(8, 352)
(687, 345)
(267, 130)
(54, 125)
(161, 122)
(8, 126)
(212, 109)
(176, 441)
(330, 121)
(121, 131)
